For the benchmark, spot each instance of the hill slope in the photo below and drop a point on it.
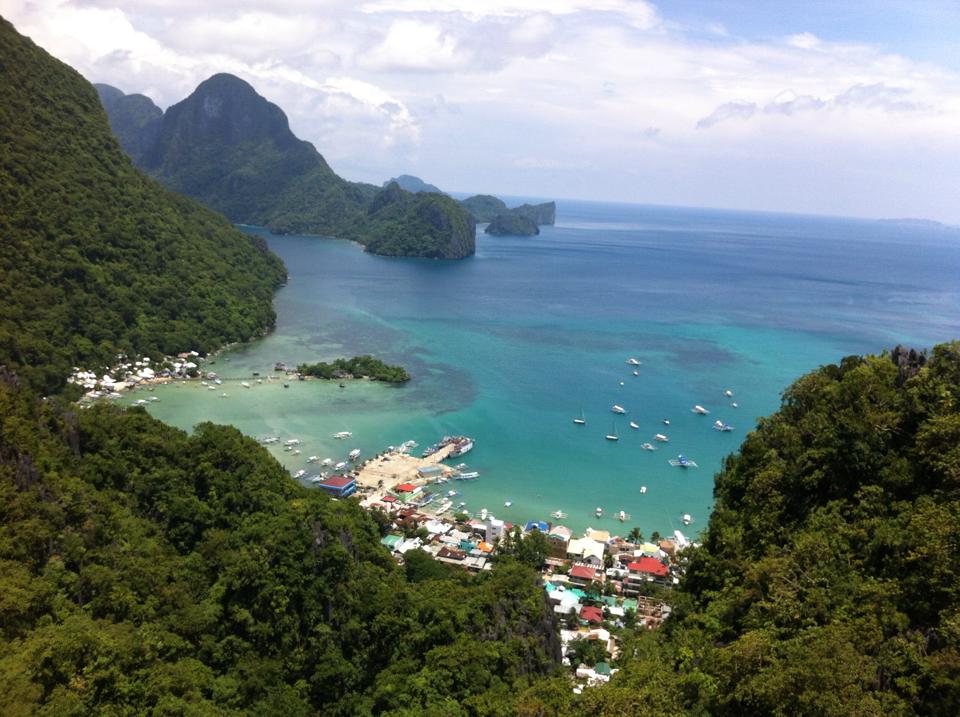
(95, 257)
(231, 149)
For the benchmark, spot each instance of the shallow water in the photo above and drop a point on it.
(507, 346)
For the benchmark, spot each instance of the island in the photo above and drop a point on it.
(512, 225)
(365, 366)
(486, 208)
(232, 150)
(413, 184)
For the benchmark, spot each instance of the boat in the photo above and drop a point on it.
(444, 506)
(722, 427)
(467, 476)
(461, 445)
(327, 462)
(558, 514)
(700, 409)
(211, 388)
(618, 409)
(728, 393)
(633, 362)
(508, 504)
(666, 421)
(734, 405)
(300, 473)
(313, 459)
(354, 454)
(643, 489)
(687, 519)
(267, 440)
(410, 444)
(621, 383)
(461, 466)
(636, 373)
(622, 516)
(483, 514)
(612, 436)
(296, 452)
(340, 435)
(340, 466)
(451, 493)
(599, 512)
(245, 384)
(662, 438)
(580, 421)
(154, 398)
(634, 425)
(316, 479)
(682, 461)
(647, 446)
(292, 442)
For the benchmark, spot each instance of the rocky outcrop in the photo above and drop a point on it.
(512, 225)
(541, 214)
(413, 184)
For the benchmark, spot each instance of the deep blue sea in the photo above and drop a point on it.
(509, 345)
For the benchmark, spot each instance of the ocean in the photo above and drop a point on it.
(510, 345)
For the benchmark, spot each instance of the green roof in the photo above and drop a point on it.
(608, 600)
(629, 604)
(391, 541)
(602, 668)
(578, 592)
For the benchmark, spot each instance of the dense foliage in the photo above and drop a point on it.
(144, 571)
(231, 149)
(829, 579)
(359, 367)
(96, 258)
(512, 225)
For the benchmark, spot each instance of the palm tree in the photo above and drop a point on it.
(635, 536)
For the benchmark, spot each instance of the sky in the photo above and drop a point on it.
(827, 107)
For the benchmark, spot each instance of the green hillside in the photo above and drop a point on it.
(96, 258)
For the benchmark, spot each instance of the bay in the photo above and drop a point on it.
(508, 346)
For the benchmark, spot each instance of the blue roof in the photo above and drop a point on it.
(536, 525)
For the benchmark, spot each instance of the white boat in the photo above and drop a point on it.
(483, 514)
(558, 514)
(636, 373)
(444, 506)
(633, 362)
(722, 427)
(223, 395)
(470, 475)
(666, 421)
(647, 446)
(687, 519)
(621, 383)
(599, 512)
(728, 393)
(340, 435)
(267, 440)
(580, 421)
(662, 438)
(734, 405)
(211, 388)
(643, 489)
(451, 493)
(296, 452)
(354, 454)
(612, 436)
(300, 473)
(618, 409)
(292, 442)
(682, 461)
(340, 466)
(313, 459)
(245, 384)
(633, 424)
(508, 504)
(700, 409)
(317, 479)
(622, 516)
(154, 398)
(327, 462)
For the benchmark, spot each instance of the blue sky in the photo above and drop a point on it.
(844, 108)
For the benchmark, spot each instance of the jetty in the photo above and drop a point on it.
(391, 469)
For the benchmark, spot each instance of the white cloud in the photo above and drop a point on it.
(416, 45)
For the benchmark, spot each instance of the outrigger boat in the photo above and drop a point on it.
(682, 461)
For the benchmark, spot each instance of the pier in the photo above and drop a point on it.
(391, 469)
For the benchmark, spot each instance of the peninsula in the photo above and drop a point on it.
(229, 148)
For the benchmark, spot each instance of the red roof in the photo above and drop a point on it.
(406, 488)
(584, 572)
(648, 565)
(338, 481)
(388, 499)
(591, 614)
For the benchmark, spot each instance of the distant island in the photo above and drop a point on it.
(917, 222)
(357, 367)
(232, 150)
(512, 225)
(412, 184)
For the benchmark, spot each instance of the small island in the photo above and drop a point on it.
(357, 367)
(512, 225)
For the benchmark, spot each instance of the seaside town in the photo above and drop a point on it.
(598, 584)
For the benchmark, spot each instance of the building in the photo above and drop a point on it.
(339, 486)
(591, 615)
(585, 550)
(494, 529)
(645, 570)
(583, 575)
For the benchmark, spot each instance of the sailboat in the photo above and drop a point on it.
(580, 421)
(612, 436)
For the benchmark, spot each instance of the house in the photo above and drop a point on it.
(601, 536)
(645, 570)
(585, 550)
(406, 488)
(584, 574)
(493, 529)
(430, 472)
(391, 541)
(451, 555)
(339, 486)
(592, 615)
(536, 525)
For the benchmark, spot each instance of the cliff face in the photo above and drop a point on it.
(512, 225)
(545, 213)
(230, 148)
(134, 119)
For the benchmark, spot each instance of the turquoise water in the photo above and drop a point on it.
(507, 346)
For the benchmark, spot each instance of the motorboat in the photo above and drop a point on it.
(682, 461)
(618, 409)
(666, 421)
(687, 519)
(643, 489)
(728, 393)
(341, 435)
(634, 424)
(508, 504)
(327, 462)
(722, 427)
(662, 438)
(558, 514)
(340, 466)
(354, 454)
(734, 405)
(300, 473)
(612, 436)
(599, 512)
(296, 452)
(483, 514)
(700, 409)
(621, 383)
(621, 516)
(313, 459)
(245, 384)
(647, 446)
(451, 493)
(292, 442)
(633, 362)
(580, 421)
(636, 373)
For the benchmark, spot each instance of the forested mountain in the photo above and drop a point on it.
(134, 119)
(231, 149)
(95, 257)
(413, 184)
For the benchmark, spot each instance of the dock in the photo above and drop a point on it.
(391, 469)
